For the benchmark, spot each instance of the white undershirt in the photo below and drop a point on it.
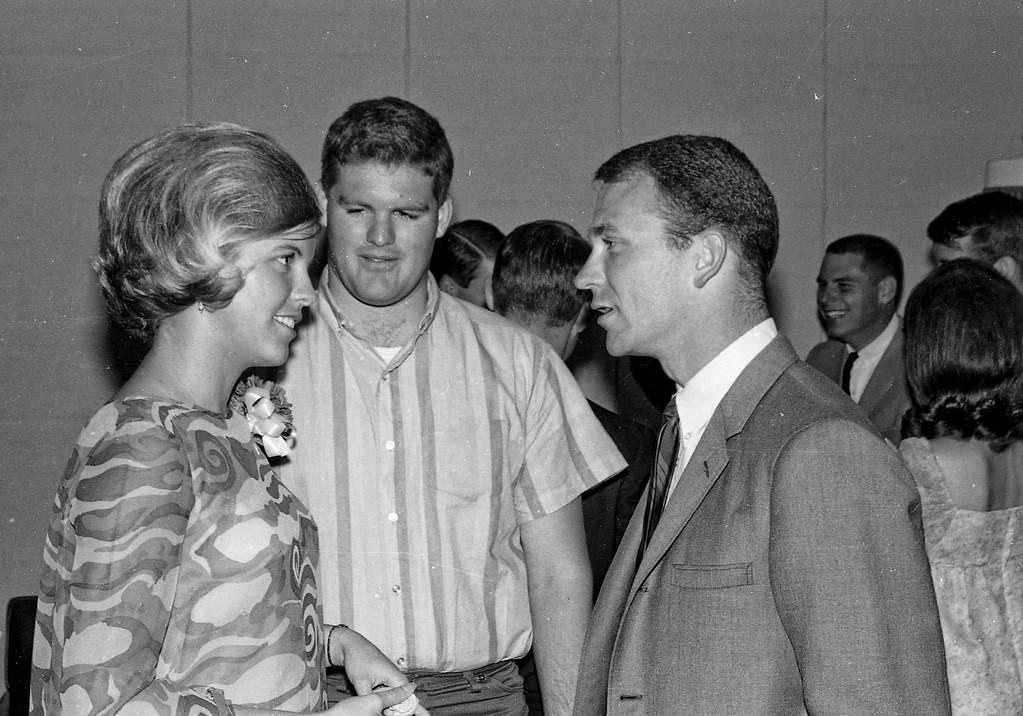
(387, 352)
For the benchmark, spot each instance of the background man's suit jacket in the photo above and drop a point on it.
(608, 507)
(787, 568)
(886, 397)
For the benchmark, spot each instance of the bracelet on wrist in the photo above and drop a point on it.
(335, 628)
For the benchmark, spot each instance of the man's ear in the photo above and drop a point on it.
(488, 295)
(321, 196)
(1008, 267)
(710, 249)
(449, 286)
(886, 289)
(443, 217)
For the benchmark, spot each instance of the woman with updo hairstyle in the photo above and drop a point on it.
(179, 571)
(964, 363)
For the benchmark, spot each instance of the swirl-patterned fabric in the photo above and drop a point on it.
(179, 572)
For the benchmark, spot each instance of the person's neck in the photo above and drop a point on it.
(384, 326)
(178, 370)
(859, 342)
(557, 337)
(694, 350)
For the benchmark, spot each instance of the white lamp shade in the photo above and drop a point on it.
(1005, 175)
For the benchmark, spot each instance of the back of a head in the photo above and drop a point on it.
(391, 131)
(706, 182)
(992, 219)
(535, 270)
(964, 354)
(458, 252)
(174, 208)
(881, 257)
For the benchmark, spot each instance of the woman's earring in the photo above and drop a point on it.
(201, 306)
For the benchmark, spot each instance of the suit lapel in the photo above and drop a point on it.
(711, 454)
(702, 471)
(884, 375)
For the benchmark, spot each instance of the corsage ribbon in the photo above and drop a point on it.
(261, 413)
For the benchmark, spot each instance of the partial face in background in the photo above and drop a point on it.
(479, 284)
(381, 224)
(637, 278)
(854, 306)
(961, 249)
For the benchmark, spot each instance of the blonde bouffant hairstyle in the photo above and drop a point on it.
(174, 208)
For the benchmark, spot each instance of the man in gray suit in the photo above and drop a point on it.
(776, 562)
(858, 290)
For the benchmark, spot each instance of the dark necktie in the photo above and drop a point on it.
(847, 370)
(660, 476)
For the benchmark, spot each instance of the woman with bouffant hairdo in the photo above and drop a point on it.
(964, 363)
(179, 570)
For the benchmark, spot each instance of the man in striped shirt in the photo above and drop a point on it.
(441, 449)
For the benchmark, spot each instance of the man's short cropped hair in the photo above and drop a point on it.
(535, 270)
(459, 251)
(391, 131)
(993, 220)
(706, 182)
(174, 210)
(881, 257)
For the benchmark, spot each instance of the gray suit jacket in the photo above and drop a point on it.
(886, 397)
(787, 572)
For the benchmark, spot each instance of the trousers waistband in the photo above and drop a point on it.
(477, 674)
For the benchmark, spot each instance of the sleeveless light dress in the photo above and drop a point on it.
(977, 566)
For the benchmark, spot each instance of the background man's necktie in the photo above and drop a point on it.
(847, 370)
(660, 476)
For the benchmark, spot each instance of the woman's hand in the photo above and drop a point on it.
(375, 703)
(365, 665)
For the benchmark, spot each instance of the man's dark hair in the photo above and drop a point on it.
(535, 270)
(706, 182)
(880, 256)
(458, 252)
(993, 220)
(391, 131)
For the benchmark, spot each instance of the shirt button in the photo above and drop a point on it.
(392, 517)
(400, 661)
(389, 445)
(396, 588)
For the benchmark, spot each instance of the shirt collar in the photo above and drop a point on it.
(877, 347)
(432, 298)
(699, 398)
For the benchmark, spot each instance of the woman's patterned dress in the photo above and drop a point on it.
(179, 572)
(977, 566)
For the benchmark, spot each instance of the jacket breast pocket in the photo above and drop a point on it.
(712, 576)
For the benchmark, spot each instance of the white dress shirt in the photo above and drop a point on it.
(868, 359)
(700, 397)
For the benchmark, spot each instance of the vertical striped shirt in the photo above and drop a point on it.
(420, 471)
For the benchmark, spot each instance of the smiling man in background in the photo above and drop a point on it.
(858, 291)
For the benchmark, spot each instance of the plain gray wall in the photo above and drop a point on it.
(863, 116)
